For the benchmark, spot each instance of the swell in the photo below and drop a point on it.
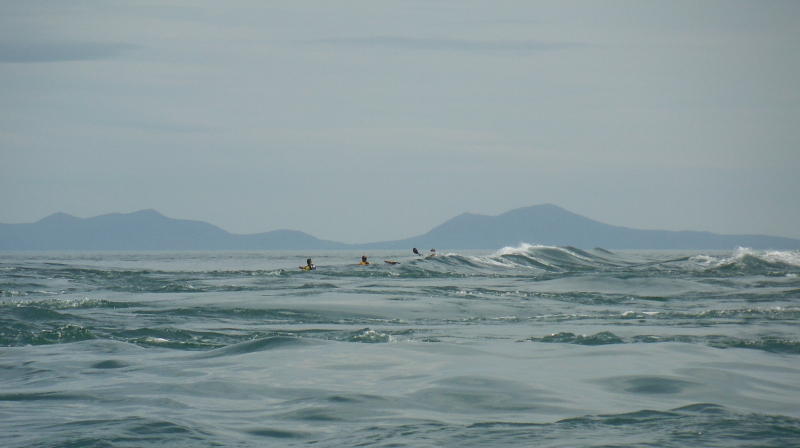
(698, 424)
(109, 432)
(45, 279)
(54, 321)
(26, 326)
(541, 260)
(523, 261)
(767, 343)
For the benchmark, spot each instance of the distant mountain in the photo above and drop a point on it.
(551, 225)
(145, 230)
(544, 224)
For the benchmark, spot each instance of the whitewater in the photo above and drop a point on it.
(523, 346)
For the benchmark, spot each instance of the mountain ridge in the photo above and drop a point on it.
(145, 230)
(551, 225)
(545, 224)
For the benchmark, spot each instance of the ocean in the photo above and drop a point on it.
(528, 346)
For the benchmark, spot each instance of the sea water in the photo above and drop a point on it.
(526, 346)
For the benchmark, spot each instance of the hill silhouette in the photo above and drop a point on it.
(145, 230)
(544, 224)
(550, 225)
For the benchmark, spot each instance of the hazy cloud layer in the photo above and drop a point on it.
(369, 120)
(37, 52)
(432, 44)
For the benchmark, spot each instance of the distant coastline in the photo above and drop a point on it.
(544, 224)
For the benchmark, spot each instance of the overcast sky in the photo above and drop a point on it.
(361, 121)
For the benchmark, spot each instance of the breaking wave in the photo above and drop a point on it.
(748, 261)
(527, 259)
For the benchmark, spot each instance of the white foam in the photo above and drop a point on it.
(705, 259)
(740, 253)
(493, 261)
(792, 258)
(772, 256)
(523, 248)
(155, 340)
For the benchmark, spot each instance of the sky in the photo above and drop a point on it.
(363, 121)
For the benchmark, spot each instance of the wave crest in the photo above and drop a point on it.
(751, 261)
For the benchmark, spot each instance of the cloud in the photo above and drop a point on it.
(38, 52)
(444, 44)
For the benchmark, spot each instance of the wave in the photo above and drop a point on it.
(553, 258)
(16, 336)
(53, 279)
(37, 325)
(522, 260)
(258, 345)
(695, 424)
(314, 423)
(742, 261)
(66, 303)
(508, 261)
(772, 344)
(752, 262)
(113, 432)
(566, 259)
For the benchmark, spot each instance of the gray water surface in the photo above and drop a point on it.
(526, 346)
